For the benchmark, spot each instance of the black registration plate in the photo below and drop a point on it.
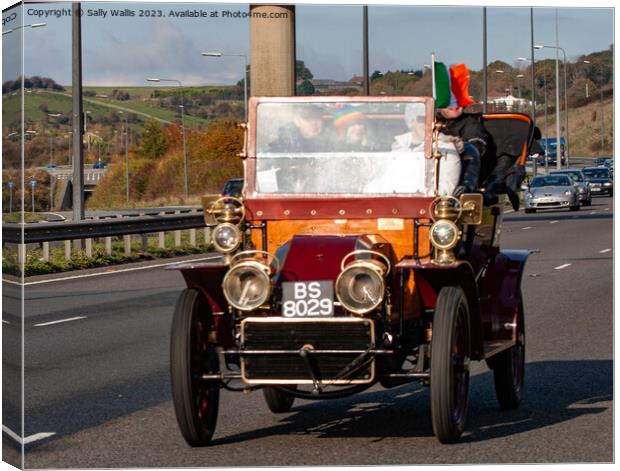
(308, 298)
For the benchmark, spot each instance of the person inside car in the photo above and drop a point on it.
(413, 141)
(307, 133)
(352, 129)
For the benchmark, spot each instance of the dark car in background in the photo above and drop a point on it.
(550, 145)
(233, 187)
(602, 161)
(579, 181)
(599, 179)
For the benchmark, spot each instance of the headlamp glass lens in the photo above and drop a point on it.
(360, 289)
(246, 287)
(226, 238)
(443, 234)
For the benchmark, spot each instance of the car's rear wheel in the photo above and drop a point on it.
(450, 356)
(530, 210)
(196, 401)
(509, 368)
(277, 400)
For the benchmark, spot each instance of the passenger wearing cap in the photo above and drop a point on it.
(307, 132)
(352, 129)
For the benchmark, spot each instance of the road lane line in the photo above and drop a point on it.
(605, 251)
(29, 439)
(5, 322)
(562, 266)
(526, 228)
(70, 319)
(553, 222)
(592, 212)
(111, 272)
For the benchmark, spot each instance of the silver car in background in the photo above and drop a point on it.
(551, 192)
(579, 180)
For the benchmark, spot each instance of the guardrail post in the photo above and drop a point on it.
(89, 247)
(208, 236)
(67, 250)
(127, 241)
(177, 234)
(192, 237)
(21, 255)
(46, 251)
(108, 245)
(145, 240)
(162, 236)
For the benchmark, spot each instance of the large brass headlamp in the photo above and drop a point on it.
(247, 285)
(360, 287)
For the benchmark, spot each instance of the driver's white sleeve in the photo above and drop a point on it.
(449, 169)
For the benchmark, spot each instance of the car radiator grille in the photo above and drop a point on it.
(280, 341)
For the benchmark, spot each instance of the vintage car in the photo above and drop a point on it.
(346, 263)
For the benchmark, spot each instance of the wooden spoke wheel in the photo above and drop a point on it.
(450, 357)
(196, 401)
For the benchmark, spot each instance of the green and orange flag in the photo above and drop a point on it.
(451, 86)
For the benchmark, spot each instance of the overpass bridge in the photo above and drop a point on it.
(62, 182)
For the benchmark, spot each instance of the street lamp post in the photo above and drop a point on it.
(11, 185)
(558, 48)
(245, 75)
(600, 74)
(33, 184)
(182, 128)
(126, 156)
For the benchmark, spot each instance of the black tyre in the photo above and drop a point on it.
(277, 400)
(575, 208)
(450, 356)
(509, 368)
(530, 210)
(196, 401)
(589, 202)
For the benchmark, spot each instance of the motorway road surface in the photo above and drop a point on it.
(98, 392)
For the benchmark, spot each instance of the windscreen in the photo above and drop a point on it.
(551, 180)
(343, 148)
(596, 173)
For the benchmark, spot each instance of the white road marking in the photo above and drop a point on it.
(110, 272)
(27, 440)
(5, 322)
(70, 319)
(526, 228)
(592, 212)
(553, 222)
(562, 266)
(606, 209)
(509, 211)
(605, 251)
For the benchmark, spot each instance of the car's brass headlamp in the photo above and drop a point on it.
(360, 287)
(444, 233)
(247, 285)
(228, 212)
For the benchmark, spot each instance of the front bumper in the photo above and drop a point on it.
(548, 202)
(599, 190)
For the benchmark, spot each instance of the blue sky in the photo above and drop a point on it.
(124, 51)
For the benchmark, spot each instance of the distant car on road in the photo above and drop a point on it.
(233, 187)
(100, 165)
(579, 180)
(551, 192)
(602, 161)
(599, 180)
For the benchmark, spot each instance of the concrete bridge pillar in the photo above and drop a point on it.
(272, 39)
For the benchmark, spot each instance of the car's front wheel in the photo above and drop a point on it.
(450, 356)
(196, 401)
(509, 367)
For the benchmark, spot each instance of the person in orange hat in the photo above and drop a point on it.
(352, 129)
